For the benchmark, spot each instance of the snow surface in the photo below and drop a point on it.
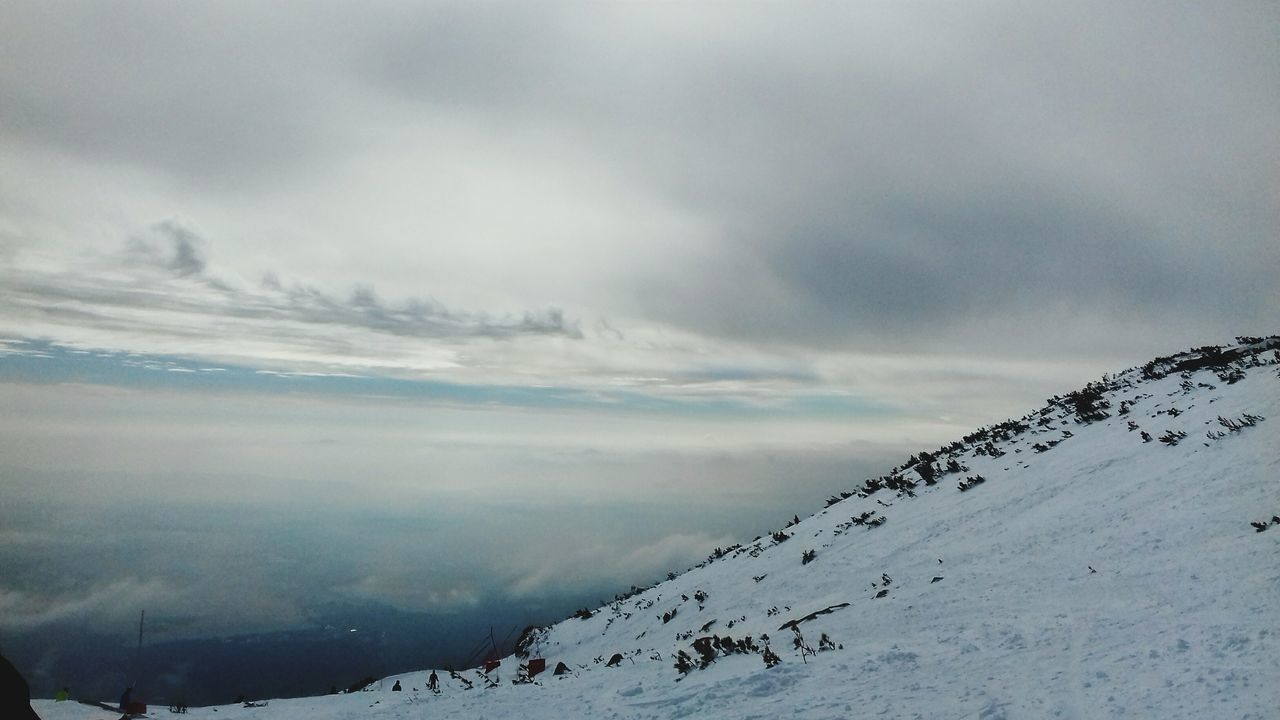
(1180, 620)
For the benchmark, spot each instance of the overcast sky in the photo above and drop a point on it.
(563, 240)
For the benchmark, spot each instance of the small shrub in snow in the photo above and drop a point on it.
(1088, 403)
(1231, 375)
(1240, 423)
(1259, 526)
(800, 645)
(928, 473)
(837, 498)
(684, 663)
(466, 684)
(990, 450)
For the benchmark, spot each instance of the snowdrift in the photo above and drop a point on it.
(1112, 554)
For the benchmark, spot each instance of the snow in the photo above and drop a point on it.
(1103, 577)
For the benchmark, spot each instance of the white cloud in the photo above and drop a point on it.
(107, 604)
(611, 564)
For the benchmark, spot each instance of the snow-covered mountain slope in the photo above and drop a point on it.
(1092, 559)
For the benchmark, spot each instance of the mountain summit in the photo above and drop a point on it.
(1111, 554)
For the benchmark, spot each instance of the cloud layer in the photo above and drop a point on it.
(817, 178)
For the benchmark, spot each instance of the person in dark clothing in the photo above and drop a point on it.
(396, 687)
(433, 682)
(126, 697)
(15, 693)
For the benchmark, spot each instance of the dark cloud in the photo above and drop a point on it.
(415, 317)
(164, 272)
(879, 175)
(868, 174)
(1009, 178)
(170, 246)
(924, 264)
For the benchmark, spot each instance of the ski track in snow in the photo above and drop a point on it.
(1180, 620)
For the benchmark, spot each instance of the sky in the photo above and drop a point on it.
(322, 289)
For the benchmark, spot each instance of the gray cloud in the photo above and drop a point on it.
(162, 275)
(208, 96)
(117, 599)
(871, 174)
(171, 246)
(878, 175)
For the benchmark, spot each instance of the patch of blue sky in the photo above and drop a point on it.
(837, 405)
(32, 361)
